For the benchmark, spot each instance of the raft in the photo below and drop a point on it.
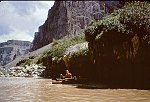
(56, 82)
(64, 81)
(68, 81)
(28, 76)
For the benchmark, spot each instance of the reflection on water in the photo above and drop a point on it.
(40, 90)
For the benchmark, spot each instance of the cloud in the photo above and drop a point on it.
(20, 19)
(16, 35)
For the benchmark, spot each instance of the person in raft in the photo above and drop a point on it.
(67, 75)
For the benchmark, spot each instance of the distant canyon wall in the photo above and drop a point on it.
(11, 49)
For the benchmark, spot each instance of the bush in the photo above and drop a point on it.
(82, 52)
(132, 18)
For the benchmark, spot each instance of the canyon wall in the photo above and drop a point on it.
(70, 18)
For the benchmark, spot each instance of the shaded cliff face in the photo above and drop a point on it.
(67, 18)
(119, 46)
(11, 49)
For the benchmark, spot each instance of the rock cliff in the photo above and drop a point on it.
(119, 46)
(67, 18)
(11, 49)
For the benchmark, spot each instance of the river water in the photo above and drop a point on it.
(41, 90)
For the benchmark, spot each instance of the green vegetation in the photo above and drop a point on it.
(58, 47)
(81, 52)
(132, 18)
(27, 62)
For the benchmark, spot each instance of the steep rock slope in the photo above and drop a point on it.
(11, 49)
(67, 18)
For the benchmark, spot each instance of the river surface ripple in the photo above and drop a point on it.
(40, 90)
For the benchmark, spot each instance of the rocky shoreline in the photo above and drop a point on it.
(33, 70)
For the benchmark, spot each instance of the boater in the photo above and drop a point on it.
(67, 75)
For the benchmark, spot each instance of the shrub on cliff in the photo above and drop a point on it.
(121, 26)
(132, 18)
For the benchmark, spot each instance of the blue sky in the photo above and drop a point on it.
(20, 19)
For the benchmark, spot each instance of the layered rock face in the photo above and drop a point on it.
(11, 49)
(67, 18)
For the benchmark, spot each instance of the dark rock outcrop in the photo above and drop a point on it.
(67, 18)
(11, 49)
(75, 59)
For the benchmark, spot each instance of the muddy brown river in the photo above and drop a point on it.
(41, 90)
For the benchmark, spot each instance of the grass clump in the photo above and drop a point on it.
(59, 46)
(27, 62)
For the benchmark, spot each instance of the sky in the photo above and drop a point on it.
(19, 20)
